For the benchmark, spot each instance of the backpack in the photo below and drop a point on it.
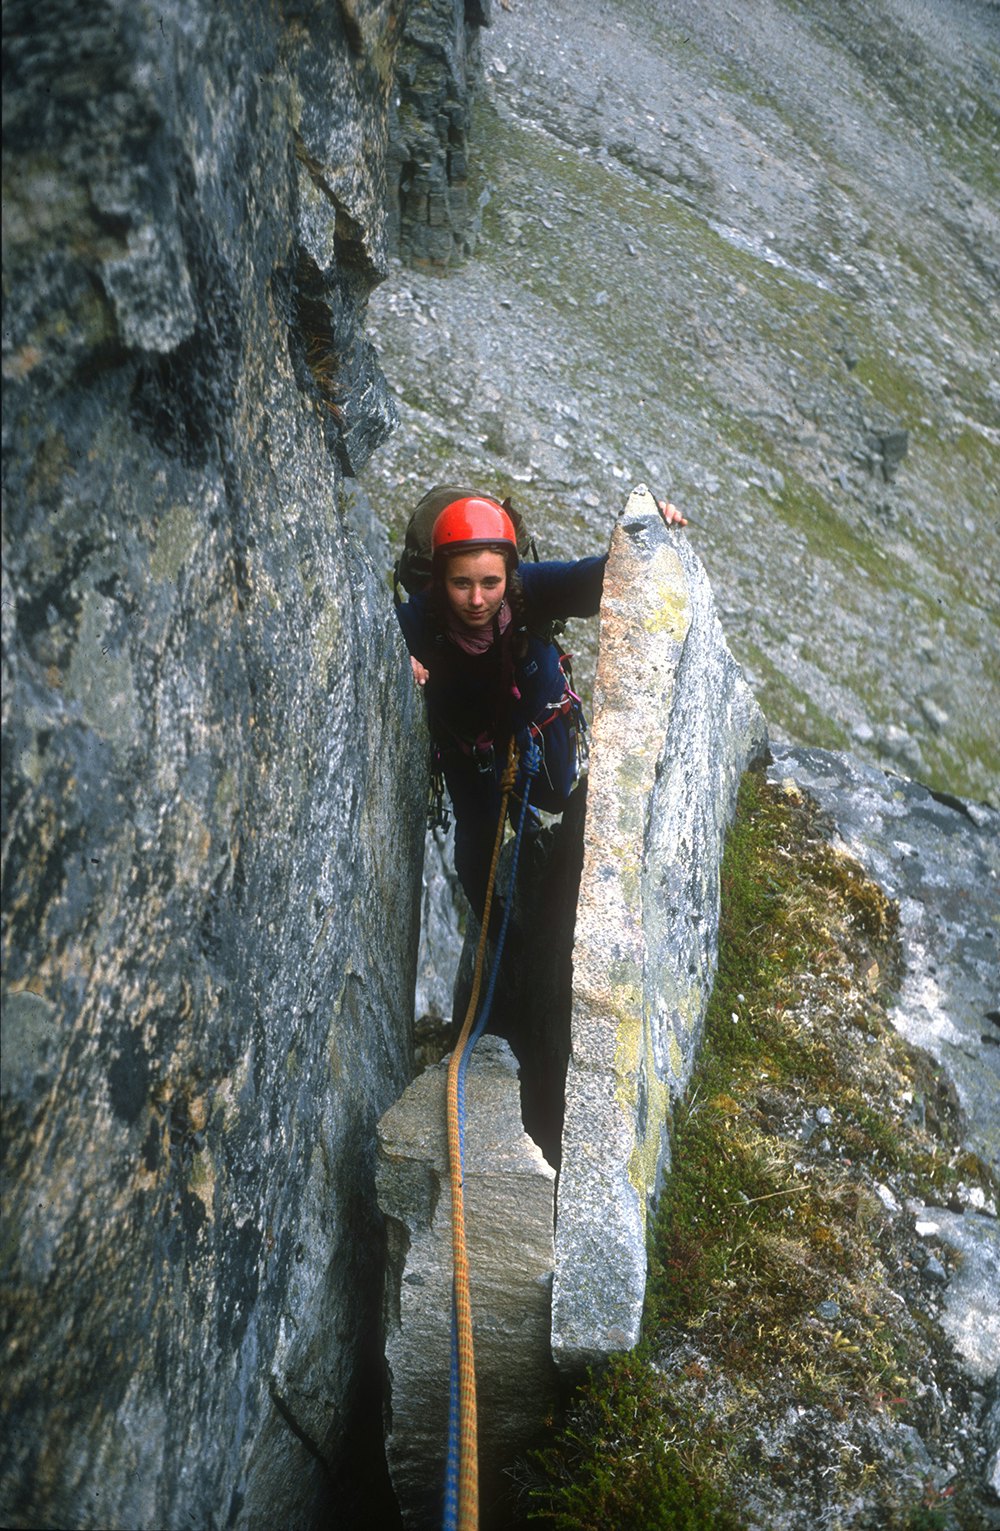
(413, 566)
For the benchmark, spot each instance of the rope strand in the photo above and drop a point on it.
(461, 1507)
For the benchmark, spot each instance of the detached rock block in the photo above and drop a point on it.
(509, 1203)
(675, 725)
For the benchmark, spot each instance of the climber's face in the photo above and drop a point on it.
(475, 584)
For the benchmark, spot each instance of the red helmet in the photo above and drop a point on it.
(474, 522)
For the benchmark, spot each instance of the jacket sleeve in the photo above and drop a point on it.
(553, 590)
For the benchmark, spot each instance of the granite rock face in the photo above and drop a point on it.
(440, 935)
(674, 727)
(212, 824)
(431, 220)
(509, 1194)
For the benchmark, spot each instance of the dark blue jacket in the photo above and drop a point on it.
(486, 697)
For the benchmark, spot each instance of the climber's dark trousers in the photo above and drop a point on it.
(476, 797)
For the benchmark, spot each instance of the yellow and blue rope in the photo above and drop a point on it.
(461, 1499)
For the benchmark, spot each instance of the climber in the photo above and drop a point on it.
(487, 675)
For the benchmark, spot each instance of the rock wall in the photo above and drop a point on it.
(431, 219)
(675, 725)
(212, 826)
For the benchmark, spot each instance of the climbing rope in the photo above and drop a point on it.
(461, 1497)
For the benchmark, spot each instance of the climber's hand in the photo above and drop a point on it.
(420, 672)
(671, 514)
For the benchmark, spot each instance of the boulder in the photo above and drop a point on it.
(674, 727)
(509, 1193)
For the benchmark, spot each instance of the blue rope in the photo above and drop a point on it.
(531, 762)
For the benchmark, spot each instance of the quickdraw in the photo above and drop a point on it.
(438, 816)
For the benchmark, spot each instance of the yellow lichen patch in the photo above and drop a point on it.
(625, 1014)
(688, 1008)
(176, 539)
(671, 605)
(644, 1161)
(627, 1044)
(202, 1181)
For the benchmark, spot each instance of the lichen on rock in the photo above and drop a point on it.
(674, 727)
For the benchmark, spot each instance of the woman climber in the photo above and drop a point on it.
(475, 637)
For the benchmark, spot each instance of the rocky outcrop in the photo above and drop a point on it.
(674, 727)
(212, 823)
(431, 218)
(509, 1194)
(939, 856)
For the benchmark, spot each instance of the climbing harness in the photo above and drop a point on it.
(570, 707)
(461, 1499)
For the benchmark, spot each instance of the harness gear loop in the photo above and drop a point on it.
(461, 1505)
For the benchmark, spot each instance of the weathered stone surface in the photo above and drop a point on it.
(971, 1316)
(437, 67)
(212, 819)
(509, 1209)
(940, 857)
(440, 935)
(674, 727)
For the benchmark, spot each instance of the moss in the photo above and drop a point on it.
(618, 1464)
(892, 384)
(759, 1223)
